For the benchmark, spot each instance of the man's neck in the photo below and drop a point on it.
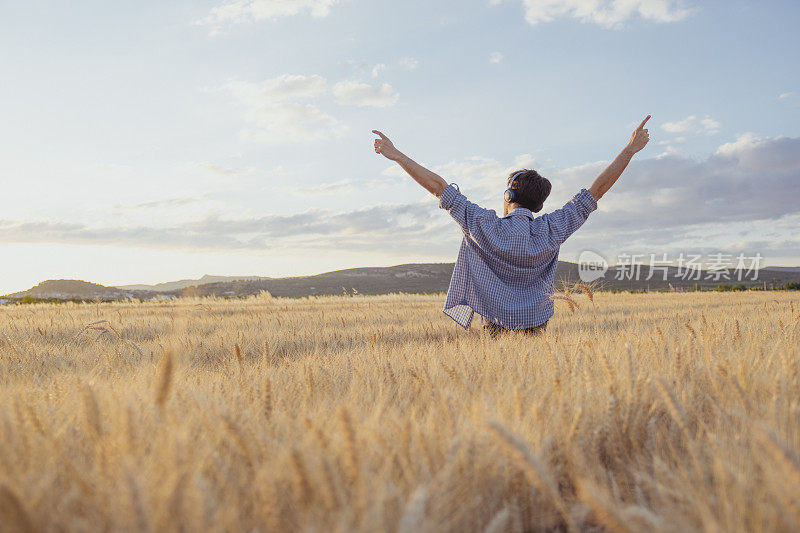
(507, 208)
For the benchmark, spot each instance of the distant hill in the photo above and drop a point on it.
(412, 278)
(72, 289)
(781, 269)
(409, 278)
(182, 284)
(435, 277)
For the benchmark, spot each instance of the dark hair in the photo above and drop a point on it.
(532, 189)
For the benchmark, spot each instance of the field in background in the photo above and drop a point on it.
(658, 412)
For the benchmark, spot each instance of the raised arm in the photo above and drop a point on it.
(609, 176)
(433, 182)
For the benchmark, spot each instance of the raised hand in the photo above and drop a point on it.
(385, 147)
(640, 137)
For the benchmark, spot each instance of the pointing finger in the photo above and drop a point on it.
(379, 134)
(641, 126)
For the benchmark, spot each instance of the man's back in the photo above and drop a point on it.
(506, 265)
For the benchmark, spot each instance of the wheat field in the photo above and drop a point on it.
(635, 412)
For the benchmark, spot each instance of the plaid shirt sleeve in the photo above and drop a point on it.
(475, 221)
(565, 221)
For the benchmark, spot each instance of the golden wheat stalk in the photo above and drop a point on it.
(88, 326)
(500, 522)
(413, 518)
(586, 290)
(267, 399)
(570, 302)
(672, 403)
(351, 447)
(10, 345)
(302, 486)
(789, 463)
(164, 379)
(534, 470)
(603, 510)
(91, 411)
(13, 514)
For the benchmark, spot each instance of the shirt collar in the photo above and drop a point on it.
(521, 211)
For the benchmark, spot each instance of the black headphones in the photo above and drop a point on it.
(510, 194)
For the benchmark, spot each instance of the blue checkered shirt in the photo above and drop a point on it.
(506, 265)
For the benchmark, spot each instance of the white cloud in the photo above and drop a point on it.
(710, 126)
(746, 179)
(481, 175)
(484, 177)
(522, 161)
(606, 13)
(792, 98)
(743, 144)
(355, 93)
(495, 57)
(693, 124)
(683, 204)
(221, 170)
(474, 172)
(670, 146)
(676, 140)
(340, 186)
(736, 197)
(360, 68)
(395, 171)
(272, 109)
(255, 10)
(281, 88)
(274, 119)
(679, 126)
(291, 122)
(406, 226)
(376, 70)
(169, 203)
(409, 63)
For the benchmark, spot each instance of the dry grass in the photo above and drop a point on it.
(673, 412)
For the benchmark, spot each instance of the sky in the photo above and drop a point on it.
(144, 141)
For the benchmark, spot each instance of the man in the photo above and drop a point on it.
(506, 265)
